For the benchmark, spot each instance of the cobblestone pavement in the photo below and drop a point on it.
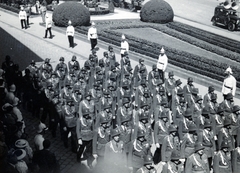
(25, 45)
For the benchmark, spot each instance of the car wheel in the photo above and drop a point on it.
(214, 22)
(231, 26)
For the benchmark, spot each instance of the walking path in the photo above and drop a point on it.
(33, 46)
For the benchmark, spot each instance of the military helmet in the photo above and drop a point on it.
(61, 59)
(125, 118)
(178, 82)
(188, 112)
(148, 159)
(190, 79)
(236, 108)
(103, 119)
(205, 111)
(198, 146)
(115, 132)
(195, 91)
(141, 133)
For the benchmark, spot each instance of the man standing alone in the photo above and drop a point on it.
(124, 46)
(162, 63)
(70, 33)
(229, 83)
(92, 35)
(23, 16)
(48, 27)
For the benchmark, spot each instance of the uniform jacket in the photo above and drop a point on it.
(171, 167)
(48, 23)
(124, 47)
(84, 129)
(123, 111)
(222, 162)
(70, 31)
(207, 139)
(229, 85)
(187, 146)
(236, 160)
(162, 62)
(22, 15)
(225, 135)
(197, 164)
(92, 33)
(160, 131)
(145, 170)
(169, 86)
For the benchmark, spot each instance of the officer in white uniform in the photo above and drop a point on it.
(162, 63)
(70, 33)
(124, 46)
(23, 17)
(92, 35)
(229, 83)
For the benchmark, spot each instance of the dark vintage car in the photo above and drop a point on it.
(226, 17)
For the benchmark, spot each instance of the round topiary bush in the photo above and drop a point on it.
(157, 11)
(76, 12)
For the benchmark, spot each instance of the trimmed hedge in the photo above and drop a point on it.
(10, 8)
(76, 12)
(156, 11)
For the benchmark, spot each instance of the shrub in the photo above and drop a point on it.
(157, 11)
(76, 12)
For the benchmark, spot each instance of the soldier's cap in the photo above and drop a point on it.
(224, 144)
(116, 64)
(164, 101)
(228, 70)
(123, 37)
(125, 84)
(182, 100)
(69, 22)
(175, 156)
(148, 159)
(126, 74)
(20, 153)
(212, 111)
(227, 122)
(125, 100)
(110, 47)
(106, 106)
(105, 53)
(125, 53)
(229, 96)
(86, 112)
(103, 119)
(47, 60)
(170, 73)
(195, 91)
(113, 67)
(192, 128)
(198, 98)
(211, 89)
(106, 92)
(190, 79)
(98, 69)
(22, 8)
(205, 111)
(140, 133)
(161, 89)
(101, 62)
(198, 146)
(93, 23)
(93, 51)
(87, 94)
(74, 58)
(172, 128)
(236, 108)
(154, 66)
(213, 97)
(141, 60)
(220, 110)
(162, 50)
(180, 91)
(188, 112)
(146, 91)
(163, 115)
(115, 132)
(178, 82)
(21, 143)
(207, 124)
(143, 104)
(234, 6)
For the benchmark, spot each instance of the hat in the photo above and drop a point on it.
(12, 88)
(143, 116)
(171, 73)
(224, 144)
(205, 111)
(110, 47)
(93, 23)
(172, 128)
(178, 82)
(198, 98)
(154, 66)
(226, 5)
(161, 89)
(22, 8)
(106, 106)
(182, 100)
(195, 91)
(192, 128)
(235, 6)
(164, 101)
(125, 100)
(198, 146)
(180, 91)
(98, 69)
(125, 118)
(47, 60)
(141, 60)
(20, 153)
(236, 108)
(163, 114)
(21, 143)
(220, 110)
(33, 62)
(123, 37)
(207, 124)
(175, 156)
(7, 107)
(229, 96)
(227, 122)
(162, 50)
(69, 22)
(61, 59)
(87, 94)
(188, 112)
(140, 133)
(115, 132)
(103, 119)
(211, 89)
(190, 79)
(148, 159)
(116, 64)
(228, 70)
(41, 127)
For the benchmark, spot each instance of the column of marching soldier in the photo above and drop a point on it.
(115, 113)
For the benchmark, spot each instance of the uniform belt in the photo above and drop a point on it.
(228, 87)
(160, 63)
(123, 48)
(138, 155)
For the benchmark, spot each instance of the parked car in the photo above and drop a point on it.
(226, 17)
(133, 5)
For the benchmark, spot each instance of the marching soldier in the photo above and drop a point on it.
(207, 97)
(124, 91)
(87, 104)
(124, 110)
(74, 63)
(174, 165)
(85, 126)
(147, 167)
(33, 68)
(169, 86)
(46, 65)
(198, 161)
(187, 89)
(227, 103)
(235, 160)
(70, 119)
(222, 159)
(62, 65)
(139, 92)
(138, 149)
(106, 113)
(197, 108)
(77, 97)
(212, 105)
(151, 73)
(66, 93)
(140, 68)
(111, 55)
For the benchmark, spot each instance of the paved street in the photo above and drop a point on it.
(25, 45)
